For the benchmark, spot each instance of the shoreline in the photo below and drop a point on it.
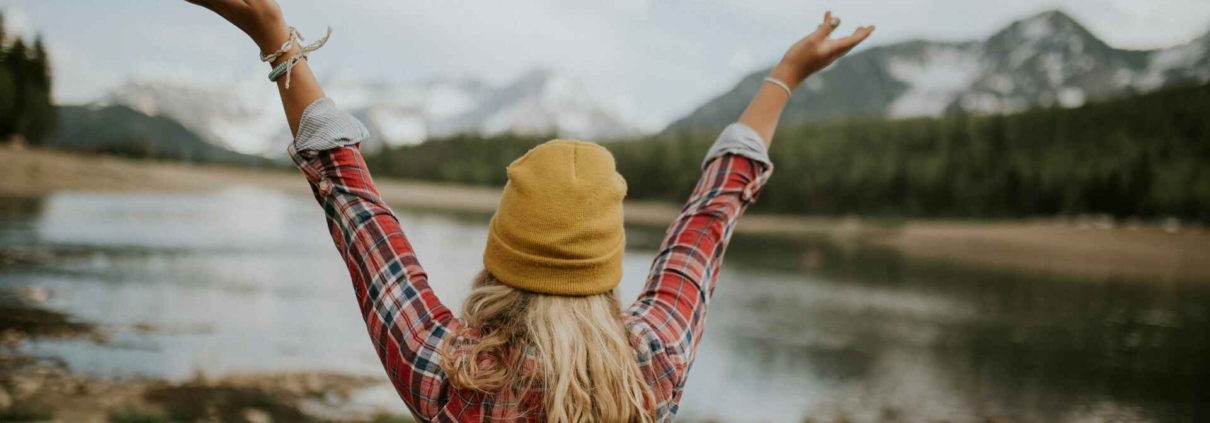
(1078, 248)
(44, 388)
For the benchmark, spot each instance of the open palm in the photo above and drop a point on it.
(816, 51)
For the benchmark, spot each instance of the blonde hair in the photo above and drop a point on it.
(575, 350)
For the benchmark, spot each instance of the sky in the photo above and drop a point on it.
(651, 60)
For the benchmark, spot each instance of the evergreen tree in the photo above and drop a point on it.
(15, 62)
(26, 107)
(40, 112)
(7, 88)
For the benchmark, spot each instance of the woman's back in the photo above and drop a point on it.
(542, 336)
(428, 352)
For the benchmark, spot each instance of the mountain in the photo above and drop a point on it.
(240, 117)
(1045, 60)
(124, 131)
(540, 103)
(247, 118)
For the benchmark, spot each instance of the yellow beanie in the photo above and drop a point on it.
(558, 228)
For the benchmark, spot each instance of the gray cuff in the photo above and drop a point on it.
(325, 127)
(740, 140)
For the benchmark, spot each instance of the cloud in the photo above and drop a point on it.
(16, 22)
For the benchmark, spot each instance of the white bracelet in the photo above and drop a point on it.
(285, 47)
(777, 82)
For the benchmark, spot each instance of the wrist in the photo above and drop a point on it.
(788, 74)
(272, 38)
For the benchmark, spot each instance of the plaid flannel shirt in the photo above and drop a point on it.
(408, 324)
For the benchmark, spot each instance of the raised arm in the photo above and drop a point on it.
(406, 322)
(671, 311)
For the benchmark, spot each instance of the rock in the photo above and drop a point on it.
(6, 400)
(253, 415)
(24, 387)
(34, 294)
(101, 336)
(12, 338)
(313, 383)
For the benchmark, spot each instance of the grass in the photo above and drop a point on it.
(20, 414)
(131, 415)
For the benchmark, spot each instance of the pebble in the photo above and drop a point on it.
(34, 294)
(253, 415)
(24, 387)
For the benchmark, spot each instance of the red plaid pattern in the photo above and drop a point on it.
(407, 323)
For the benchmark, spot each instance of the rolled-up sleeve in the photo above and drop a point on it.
(741, 140)
(325, 127)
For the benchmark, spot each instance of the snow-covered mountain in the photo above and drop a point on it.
(1044, 60)
(540, 103)
(246, 116)
(241, 117)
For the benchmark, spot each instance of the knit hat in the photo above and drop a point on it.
(558, 228)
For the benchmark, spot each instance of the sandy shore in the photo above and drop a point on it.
(1082, 248)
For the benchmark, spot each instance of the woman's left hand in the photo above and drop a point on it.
(817, 51)
(262, 20)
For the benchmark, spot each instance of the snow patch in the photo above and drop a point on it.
(246, 116)
(446, 100)
(934, 80)
(1054, 66)
(1037, 29)
(399, 127)
(1163, 62)
(1072, 97)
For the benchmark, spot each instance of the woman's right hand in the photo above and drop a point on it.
(816, 51)
(262, 20)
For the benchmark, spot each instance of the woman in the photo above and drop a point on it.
(542, 335)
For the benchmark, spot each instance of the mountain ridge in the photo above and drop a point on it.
(248, 119)
(1047, 59)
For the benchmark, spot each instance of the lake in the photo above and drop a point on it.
(246, 280)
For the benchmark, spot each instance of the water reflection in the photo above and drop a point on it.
(246, 279)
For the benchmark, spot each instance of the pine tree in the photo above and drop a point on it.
(15, 65)
(40, 114)
(7, 105)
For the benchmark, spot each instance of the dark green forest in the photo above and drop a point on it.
(1141, 156)
(26, 109)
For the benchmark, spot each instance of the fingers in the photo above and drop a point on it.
(825, 28)
(841, 46)
(214, 4)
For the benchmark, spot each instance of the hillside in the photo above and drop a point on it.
(120, 130)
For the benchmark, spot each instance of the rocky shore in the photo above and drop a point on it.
(43, 389)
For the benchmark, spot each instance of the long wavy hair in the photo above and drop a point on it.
(575, 350)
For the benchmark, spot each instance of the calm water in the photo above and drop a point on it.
(246, 280)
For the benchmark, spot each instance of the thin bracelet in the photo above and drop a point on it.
(279, 70)
(777, 82)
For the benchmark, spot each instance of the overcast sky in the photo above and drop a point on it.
(653, 60)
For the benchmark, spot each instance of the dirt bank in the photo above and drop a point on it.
(1094, 248)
